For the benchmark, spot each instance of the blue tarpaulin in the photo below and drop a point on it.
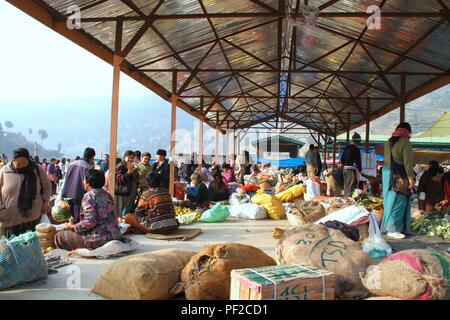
(283, 163)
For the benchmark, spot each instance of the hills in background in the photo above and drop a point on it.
(144, 123)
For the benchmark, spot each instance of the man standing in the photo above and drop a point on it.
(335, 181)
(351, 160)
(73, 188)
(143, 168)
(318, 160)
(162, 168)
(104, 165)
(312, 164)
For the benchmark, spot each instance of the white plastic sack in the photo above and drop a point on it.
(45, 219)
(346, 215)
(312, 190)
(250, 211)
(236, 199)
(375, 245)
(112, 248)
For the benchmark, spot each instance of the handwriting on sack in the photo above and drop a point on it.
(329, 255)
(332, 251)
(307, 236)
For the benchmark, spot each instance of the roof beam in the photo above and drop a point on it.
(263, 5)
(249, 15)
(332, 72)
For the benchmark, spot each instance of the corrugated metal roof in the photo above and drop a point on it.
(240, 40)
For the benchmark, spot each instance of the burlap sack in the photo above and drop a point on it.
(207, 275)
(327, 249)
(409, 274)
(147, 276)
(309, 212)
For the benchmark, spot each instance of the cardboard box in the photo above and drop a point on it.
(282, 282)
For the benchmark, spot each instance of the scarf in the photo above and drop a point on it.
(27, 189)
(401, 132)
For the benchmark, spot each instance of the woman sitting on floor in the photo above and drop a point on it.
(198, 195)
(155, 212)
(218, 188)
(97, 224)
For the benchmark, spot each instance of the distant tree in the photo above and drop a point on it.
(59, 146)
(43, 134)
(30, 131)
(9, 124)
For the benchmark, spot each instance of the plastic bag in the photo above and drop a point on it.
(110, 249)
(188, 218)
(249, 211)
(312, 190)
(218, 213)
(21, 260)
(237, 198)
(375, 245)
(272, 204)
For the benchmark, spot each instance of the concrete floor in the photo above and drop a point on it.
(257, 233)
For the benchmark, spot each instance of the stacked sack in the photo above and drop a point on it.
(46, 234)
(207, 276)
(329, 249)
(411, 275)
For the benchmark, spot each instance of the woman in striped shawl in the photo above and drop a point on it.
(155, 212)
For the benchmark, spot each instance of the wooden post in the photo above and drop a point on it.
(234, 144)
(402, 97)
(115, 110)
(227, 138)
(239, 142)
(325, 149)
(368, 125)
(217, 137)
(200, 137)
(348, 126)
(334, 147)
(173, 127)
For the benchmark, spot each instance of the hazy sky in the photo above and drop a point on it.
(40, 65)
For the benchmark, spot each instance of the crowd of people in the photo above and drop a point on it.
(142, 197)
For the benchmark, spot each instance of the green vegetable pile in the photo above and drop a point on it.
(432, 225)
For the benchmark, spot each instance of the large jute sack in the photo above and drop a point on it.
(272, 204)
(410, 274)
(309, 212)
(207, 275)
(146, 276)
(327, 249)
(290, 194)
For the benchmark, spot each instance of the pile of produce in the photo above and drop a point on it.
(186, 215)
(432, 224)
(372, 203)
(180, 210)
